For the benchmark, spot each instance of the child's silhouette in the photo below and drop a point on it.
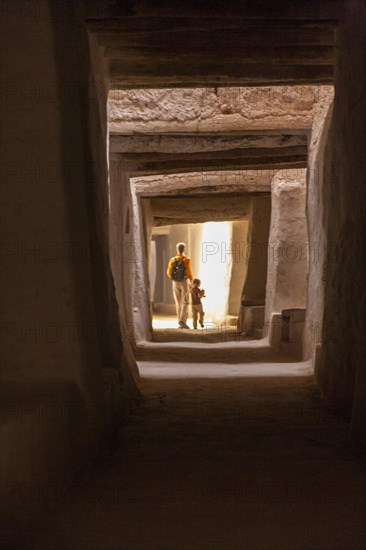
(197, 309)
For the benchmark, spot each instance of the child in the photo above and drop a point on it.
(197, 309)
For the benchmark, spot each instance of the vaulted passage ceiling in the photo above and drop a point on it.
(196, 93)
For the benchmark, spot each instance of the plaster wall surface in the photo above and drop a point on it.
(288, 246)
(123, 257)
(254, 291)
(130, 228)
(143, 224)
(239, 264)
(254, 251)
(58, 309)
(341, 367)
(318, 175)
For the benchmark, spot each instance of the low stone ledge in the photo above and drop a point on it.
(251, 320)
(286, 331)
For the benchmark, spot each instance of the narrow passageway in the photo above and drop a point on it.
(213, 332)
(220, 456)
(155, 155)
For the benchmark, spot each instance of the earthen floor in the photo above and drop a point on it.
(220, 455)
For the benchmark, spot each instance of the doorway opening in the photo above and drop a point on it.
(172, 175)
(217, 261)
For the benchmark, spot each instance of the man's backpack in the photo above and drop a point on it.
(178, 270)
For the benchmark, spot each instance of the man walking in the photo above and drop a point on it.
(179, 271)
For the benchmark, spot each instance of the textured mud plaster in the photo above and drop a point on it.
(116, 350)
(122, 254)
(318, 175)
(202, 143)
(59, 301)
(342, 366)
(143, 224)
(218, 109)
(288, 247)
(127, 239)
(248, 181)
(254, 250)
(239, 264)
(167, 210)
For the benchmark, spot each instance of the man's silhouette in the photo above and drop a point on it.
(179, 271)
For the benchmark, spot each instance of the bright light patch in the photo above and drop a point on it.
(215, 268)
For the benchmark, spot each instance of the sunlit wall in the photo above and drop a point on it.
(209, 245)
(215, 268)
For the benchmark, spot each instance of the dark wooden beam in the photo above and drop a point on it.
(216, 51)
(136, 144)
(249, 9)
(198, 183)
(147, 158)
(231, 56)
(138, 30)
(181, 206)
(210, 35)
(169, 210)
(126, 75)
(255, 163)
(209, 192)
